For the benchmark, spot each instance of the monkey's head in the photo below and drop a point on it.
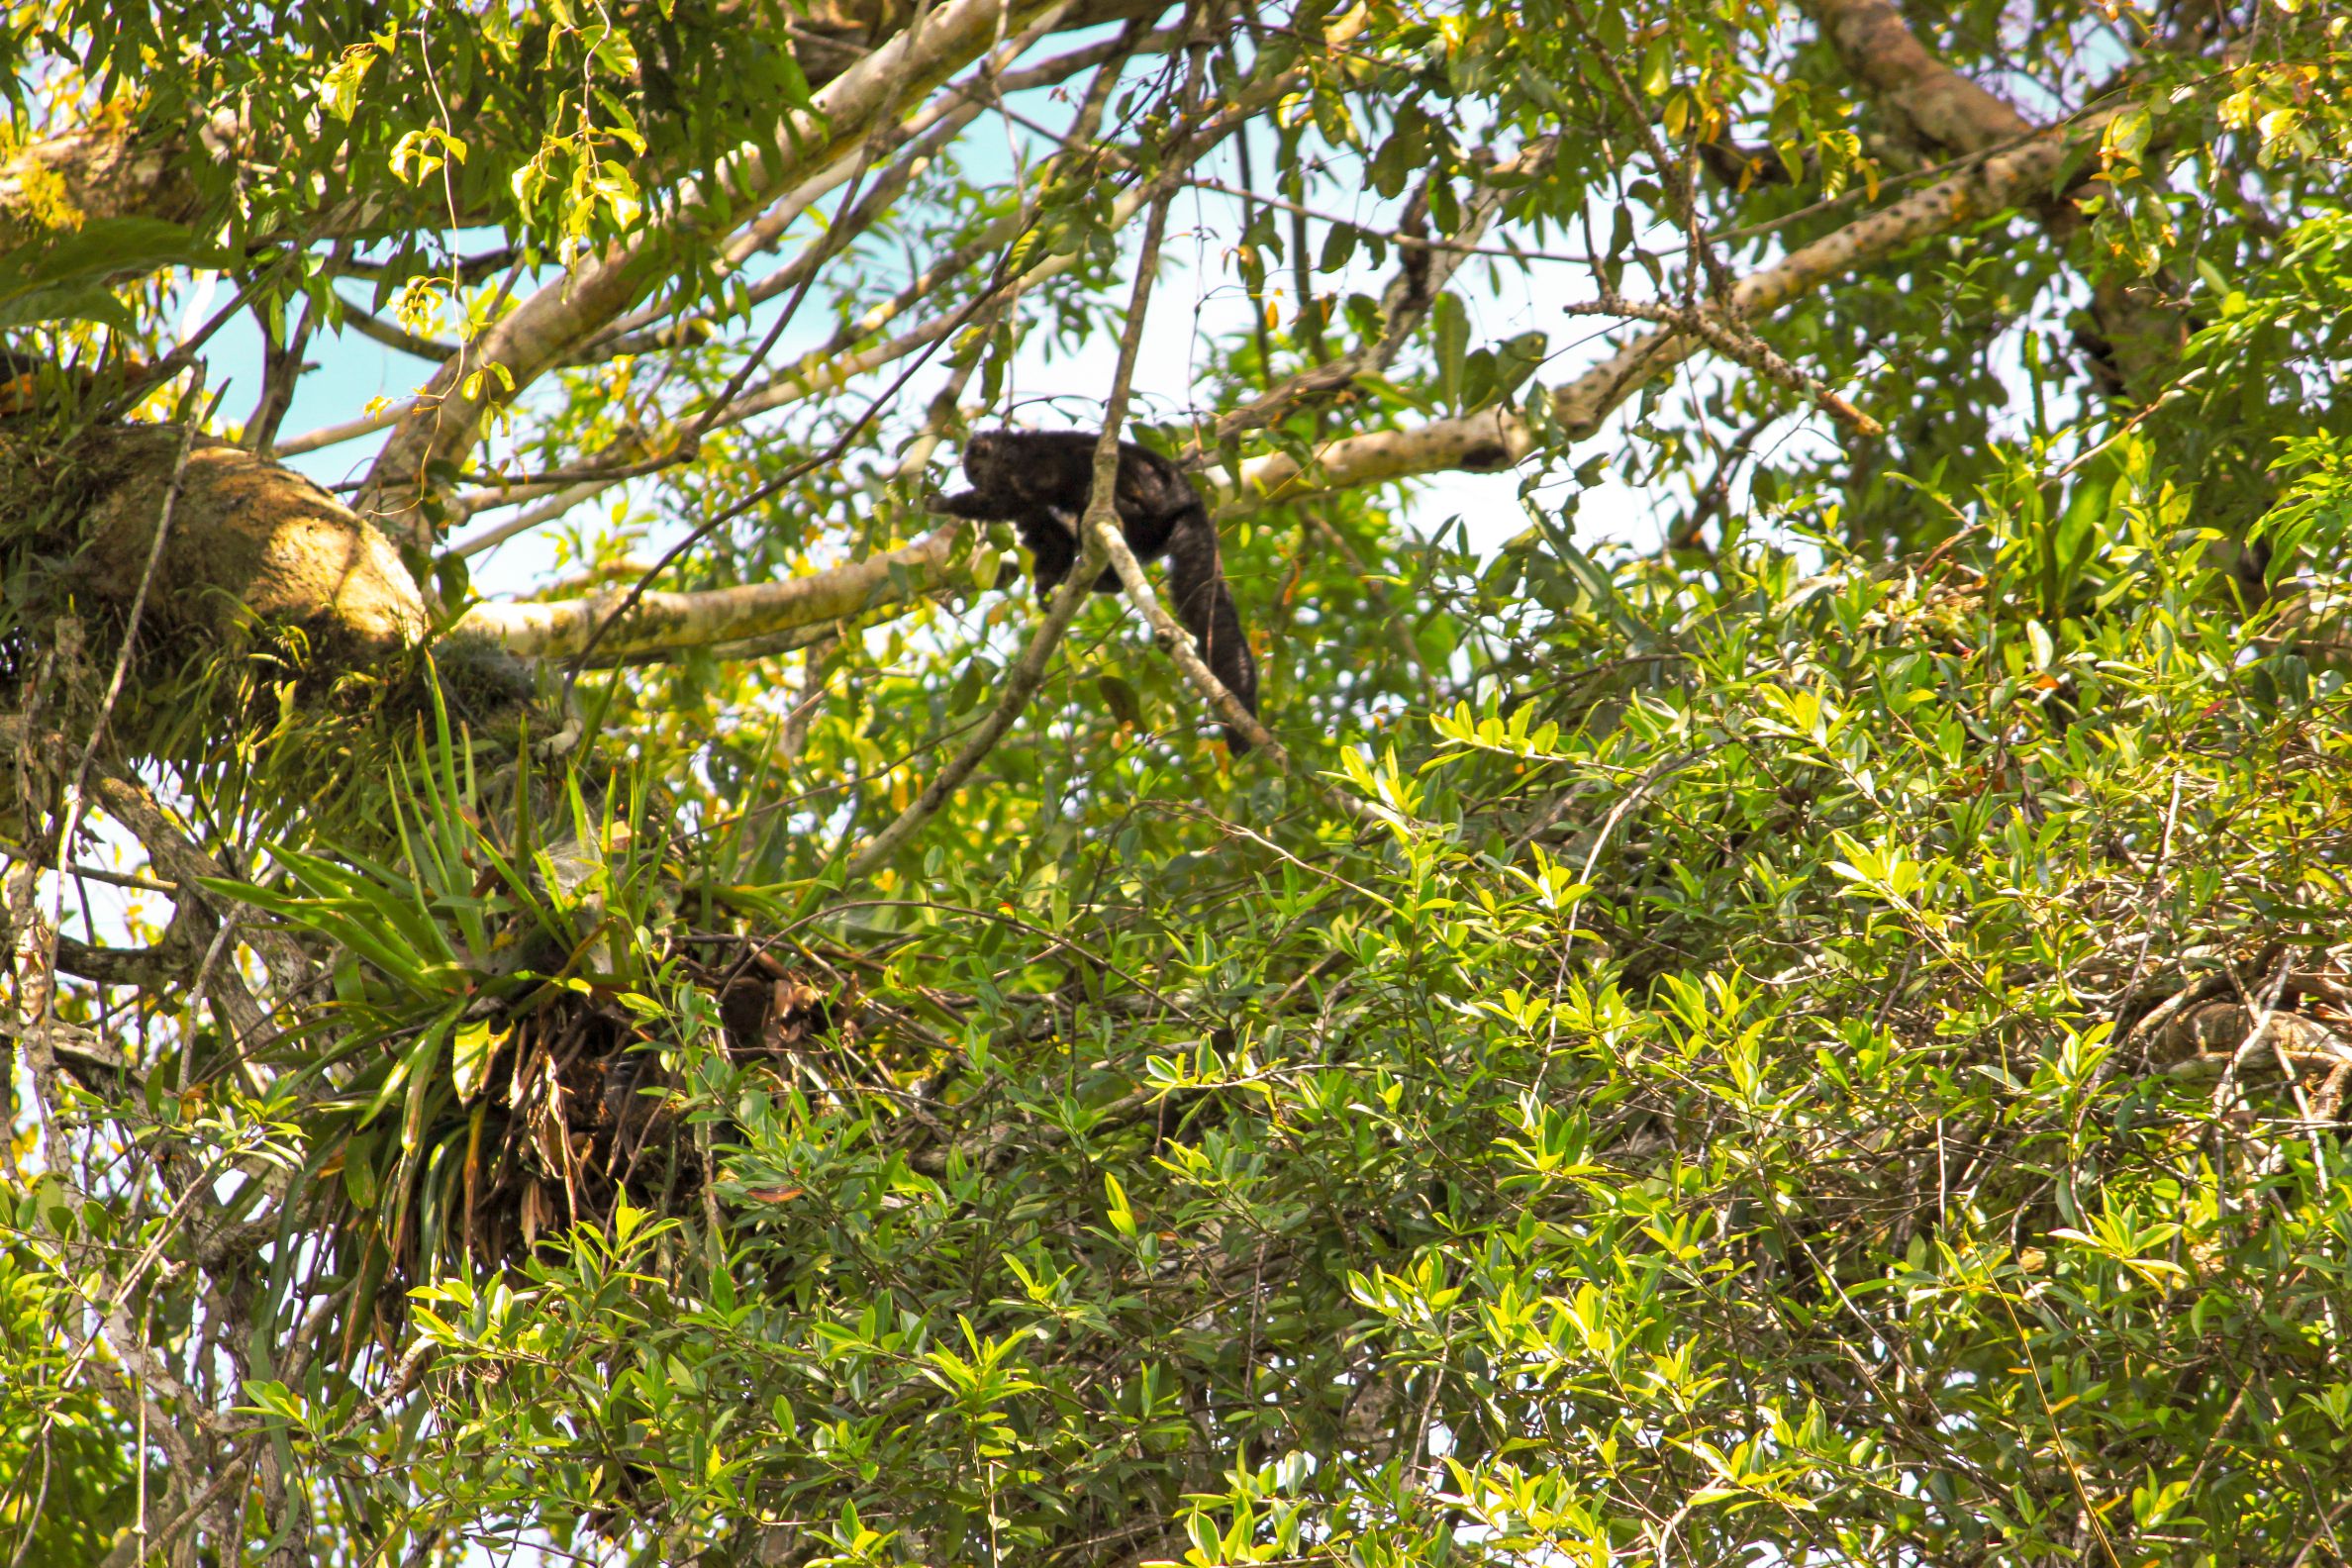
(990, 459)
(1035, 465)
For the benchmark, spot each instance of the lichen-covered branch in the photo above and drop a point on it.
(1493, 438)
(250, 542)
(1942, 109)
(1485, 442)
(2139, 337)
(662, 621)
(545, 327)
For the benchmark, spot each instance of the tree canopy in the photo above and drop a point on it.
(591, 976)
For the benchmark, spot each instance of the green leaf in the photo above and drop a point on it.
(340, 88)
(1120, 699)
(1123, 1217)
(1657, 67)
(473, 1046)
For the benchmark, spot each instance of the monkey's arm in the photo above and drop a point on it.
(973, 504)
(1196, 582)
(1050, 542)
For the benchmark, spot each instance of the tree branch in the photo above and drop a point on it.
(398, 338)
(1029, 671)
(1942, 109)
(1497, 438)
(1727, 337)
(1172, 639)
(664, 621)
(823, 371)
(2139, 336)
(540, 331)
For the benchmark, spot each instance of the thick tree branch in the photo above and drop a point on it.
(545, 327)
(665, 621)
(168, 963)
(1486, 441)
(1942, 109)
(111, 169)
(250, 543)
(1497, 438)
(2139, 336)
(2016, 177)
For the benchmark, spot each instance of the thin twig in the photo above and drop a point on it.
(1692, 533)
(1729, 338)
(1395, 237)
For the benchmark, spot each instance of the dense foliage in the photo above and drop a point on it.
(1821, 1038)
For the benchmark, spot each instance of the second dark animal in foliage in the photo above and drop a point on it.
(1038, 481)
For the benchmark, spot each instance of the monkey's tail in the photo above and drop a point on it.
(1196, 581)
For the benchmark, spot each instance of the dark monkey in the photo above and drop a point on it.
(1038, 480)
